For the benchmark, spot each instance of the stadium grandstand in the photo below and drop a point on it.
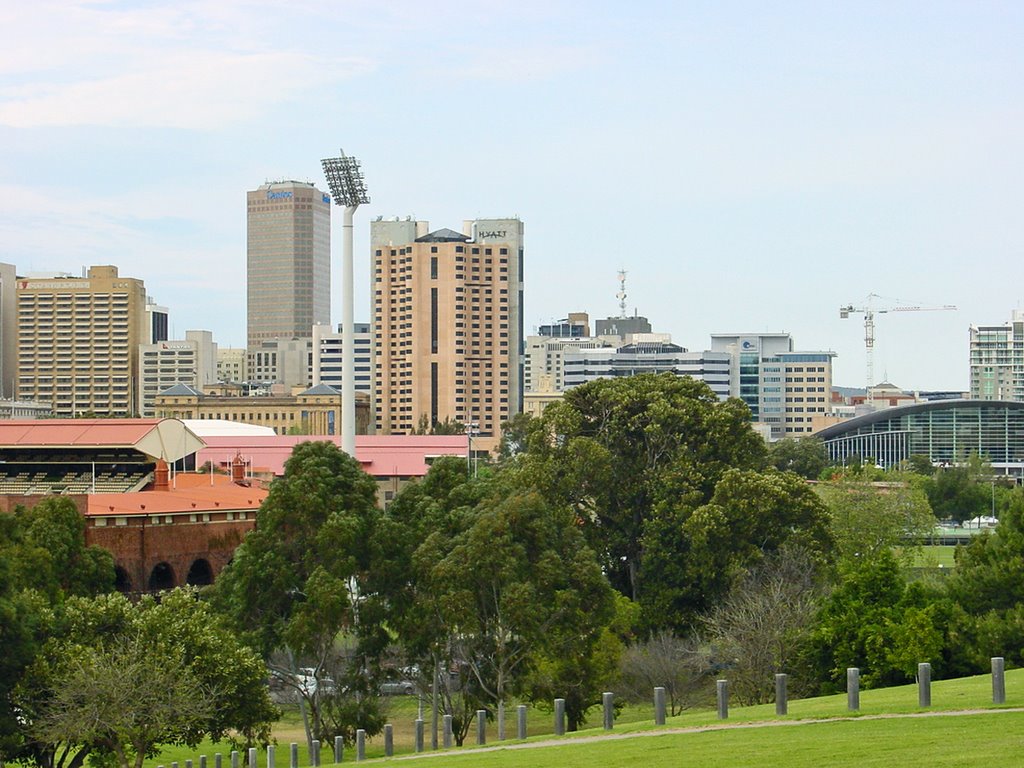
(83, 456)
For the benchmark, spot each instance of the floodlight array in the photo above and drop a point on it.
(345, 180)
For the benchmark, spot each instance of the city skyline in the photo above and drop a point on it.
(751, 169)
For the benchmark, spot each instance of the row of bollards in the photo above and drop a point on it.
(924, 689)
(924, 699)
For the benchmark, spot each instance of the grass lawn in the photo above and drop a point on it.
(955, 740)
(934, 556)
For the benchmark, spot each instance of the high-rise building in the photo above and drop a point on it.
(327, 353)
(447, 325)
(289, 261)
(8, 331)
(544, 360)
(785, 390)
(157, 320)
(163, 364)
(78, 341)
(997, 360)
(575, 326)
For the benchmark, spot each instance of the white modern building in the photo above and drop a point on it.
(997, 360)
(647, 353)
(328, 350)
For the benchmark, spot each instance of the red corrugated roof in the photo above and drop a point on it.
(380, 455)
(75, 432)
(191, 493)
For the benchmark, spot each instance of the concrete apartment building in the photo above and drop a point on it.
(232, 365)
(447, 316)
(288, 249)
(997, 360)
(78, 341)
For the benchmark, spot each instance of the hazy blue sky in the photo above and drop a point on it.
(753, 166)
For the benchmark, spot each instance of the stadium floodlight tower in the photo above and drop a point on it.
(348, 188)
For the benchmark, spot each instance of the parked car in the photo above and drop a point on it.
(303, 681)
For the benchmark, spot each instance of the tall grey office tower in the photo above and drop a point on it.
(289, 261)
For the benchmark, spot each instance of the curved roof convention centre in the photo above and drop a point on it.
(947, 431)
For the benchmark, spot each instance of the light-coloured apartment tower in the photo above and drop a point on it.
(232, 365)
(997, 360)
(289, 261)
(447, 325)
(78, 341)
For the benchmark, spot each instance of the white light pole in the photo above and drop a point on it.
(345, 180)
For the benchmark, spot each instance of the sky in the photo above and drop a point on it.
(751, 166)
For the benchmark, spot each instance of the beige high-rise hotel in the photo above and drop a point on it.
(288, 261)
(447, 311)
(78, 342)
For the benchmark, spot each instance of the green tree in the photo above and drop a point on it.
(867, 518)
(614, 449)
(806, 456)
(296, 584)
(693, 557)
(875, 621)
(518, 581)
(43, 558)
(120, 679)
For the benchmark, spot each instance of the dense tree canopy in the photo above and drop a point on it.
(297, 581)
(614, 450)
(119, 678)
(43, 558)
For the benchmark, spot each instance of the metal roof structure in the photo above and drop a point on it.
(167, 439)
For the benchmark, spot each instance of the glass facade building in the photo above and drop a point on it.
(946, 431)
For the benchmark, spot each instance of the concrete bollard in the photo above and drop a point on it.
(481, 726)
(781, 700)
(521, 721)
(608, 709)
(188, 763)
(202, 761)
(389, 740)
(998, 680)
(293, 759)
(174, 764)
(447, 731)
(722, 688)
(339, 749)
(659, 706)
(559, 717)
(924, 684)
(501, 721)
(852, 689)
(419, 734)
(252, 757)
(315, 757)
(361, 744)
(234, 759)
(218, 760)
(270, 756)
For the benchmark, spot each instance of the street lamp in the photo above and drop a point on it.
(348, 188)
(471, 429)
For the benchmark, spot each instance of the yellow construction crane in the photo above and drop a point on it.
(869, 309)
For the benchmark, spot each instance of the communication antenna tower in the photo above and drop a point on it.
(621, 295)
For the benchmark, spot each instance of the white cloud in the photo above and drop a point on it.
(188, 89)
